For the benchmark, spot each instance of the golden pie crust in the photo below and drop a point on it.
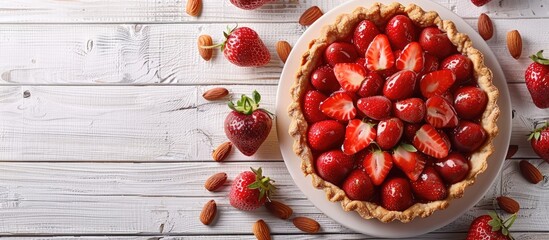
(344, 26)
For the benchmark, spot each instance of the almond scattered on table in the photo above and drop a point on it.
(215, 181)
(514, 43)
(513, 149)
(508, 204)
(283, 49)
(221, 152)
(279, 209)
(306, 224)
(215, 94)
(310, 16)
(194, 7)
(530, 172)
(208, 212)
(205, 41)
(261, 230)
(485, 27)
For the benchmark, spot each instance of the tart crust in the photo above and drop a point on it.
(344, 26)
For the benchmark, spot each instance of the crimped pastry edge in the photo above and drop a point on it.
(342, 27)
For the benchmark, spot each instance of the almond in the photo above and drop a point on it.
(306, 224)
(208, 212)
(279, 209)
(485, 27)
(530, 172)
(514, 43)
(221, 152)
(508, 204)
(215, 181)
(283, 49)
(194, 7)
(310, 16)
(215, 94)
(205, 41)
(511, 151)
(261, 230)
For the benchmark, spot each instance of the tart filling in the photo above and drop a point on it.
(394, 112)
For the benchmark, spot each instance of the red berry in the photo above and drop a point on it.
(436, 42)
(325, 135)
(480, 3)
(410, 131)
(539, 139)
(490, 227)
(340, 52)
(249, 4)
(244, 48)
(411, 58)
(452, 168)
(468, 136)
(389, 133)
(364, 33)
(429, 186)
(358, 186)
(430, 64)
(339, 106)
(371, 86)
(400, 85)
(358, 135)
(350, 75)
(311, 106)
(378, 164)
(333, 166)
(460, 65)
(324, 80)
(379, 55)
(401, 30)
(537, 80)
(429, 141)
(396, 195)
(409, 161)
(470, 102)
(411, 110)
(440, 113)
(436, 83)
(244, 195)
(376, 107)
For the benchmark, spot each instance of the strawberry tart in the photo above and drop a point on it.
(394, 112)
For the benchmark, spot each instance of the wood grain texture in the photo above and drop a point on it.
(519, 9)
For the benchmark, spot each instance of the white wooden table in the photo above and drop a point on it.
(103, 130)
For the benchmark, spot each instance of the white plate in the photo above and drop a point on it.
(352, 220)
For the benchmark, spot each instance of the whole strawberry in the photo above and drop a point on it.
(249, 4)
(537, 80)
(490, 227)
(540, 141)
(479, 3)
(250, 190)
(247, 126)
(244, 48)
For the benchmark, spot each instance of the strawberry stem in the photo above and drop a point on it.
(538, 57)
(263, 184)
(536, 134)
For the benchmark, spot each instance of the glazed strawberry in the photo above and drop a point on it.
(411, 162)
(325, 135)
(379, 55)
(448, 96)
(436, 83)
(249, 4)
(339, 106)
(396, 194)
(364, 33)
(350, 76)
(537, 80)
(358, 186)
(247, 125)
(389, 133)
(460, 65)
(410, 131)
(376, 107)
(244, 48)
(358, 135)
(429, 186)
(371, 86)
(411, 110)
(440, 113)
(468, 137)
(250, 189)
(430, 64)
(324, 80)
(490, 227)
(378, 164)
(411, 58)
(436, 42)
(470, 102)
(400, 30)
(311, 106)
(480, 3)
(340, 52)
(400, 85)
(361, 61)
(539, 139)
(333, 166)
(429, 141)
(452, 168)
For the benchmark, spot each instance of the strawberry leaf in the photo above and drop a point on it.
(538, 57)
(408, 147)
(262, 183)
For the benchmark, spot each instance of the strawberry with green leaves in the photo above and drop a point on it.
(537, 80)
(490, 227)
(539, 139)
(250, 190)
(243, 47)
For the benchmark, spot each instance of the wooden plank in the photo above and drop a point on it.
(99, 54)
(519, 9)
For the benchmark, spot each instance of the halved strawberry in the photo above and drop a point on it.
(378, 164)
(429, 141)
(358, 135)
(379, 55)
(339, 106)
(350, 75)
(440, 113)
(409, 161)
(411, 58)
(436, 83)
